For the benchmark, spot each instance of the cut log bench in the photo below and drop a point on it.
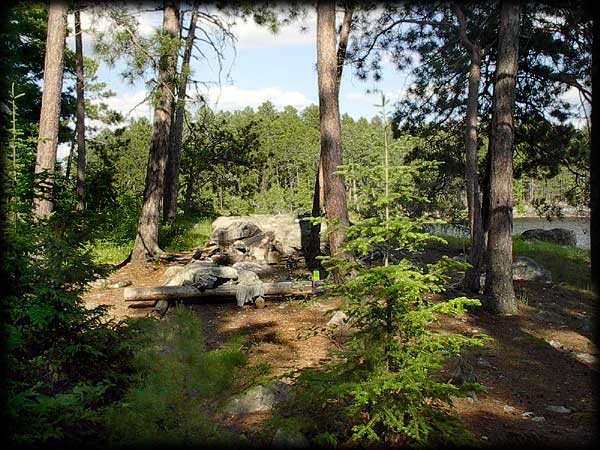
(147, 297)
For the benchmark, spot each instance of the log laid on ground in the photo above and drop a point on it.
(185, 292)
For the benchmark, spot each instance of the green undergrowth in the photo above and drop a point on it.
(570, 266)
(187, 233)
(179, 385)
(109, 252)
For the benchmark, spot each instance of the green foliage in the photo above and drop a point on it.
(188, 232)
(568, 265)
(384, 376)
(178, 384)
(64, 361)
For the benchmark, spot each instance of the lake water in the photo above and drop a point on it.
(579, 225)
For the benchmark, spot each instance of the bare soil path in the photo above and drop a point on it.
(539, 370)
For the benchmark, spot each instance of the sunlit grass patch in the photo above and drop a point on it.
(108, 252)
(568, 265)
(186, 234)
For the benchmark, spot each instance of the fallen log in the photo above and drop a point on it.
(281, 288)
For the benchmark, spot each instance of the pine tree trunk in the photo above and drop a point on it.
(331, 148)
(174, 159)
(80, 125)
(50, 110)
(499, 289)
(477, 251)
(146, 242)
(314, 244)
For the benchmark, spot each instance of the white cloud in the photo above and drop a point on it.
(131, 106)
(92, 20)
(251, 35)
(233, 97)
(374, 98)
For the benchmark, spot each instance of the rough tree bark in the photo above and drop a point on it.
(80, 125)
(499, 289)
(50, 110)
(174, 158)
(477, 252)
(146, 242)
(330, 67)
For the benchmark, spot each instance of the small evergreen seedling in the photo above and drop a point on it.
(386, 376)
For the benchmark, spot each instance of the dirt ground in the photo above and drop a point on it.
(544, 357)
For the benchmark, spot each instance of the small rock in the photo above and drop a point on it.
(172, 270)
(538, 419)
(259, 302)
(586, 358)
(119, 284)
(250, 266)
(529, 270)
(552, 343)
(337, 319)
(161, 307)
(99, 283)
(285, 438)
(220, 258)
(558, 409)
(508, 408)
(259, 398)
(527, 415)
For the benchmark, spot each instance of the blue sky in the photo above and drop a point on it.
(280, 68)
(277, 67)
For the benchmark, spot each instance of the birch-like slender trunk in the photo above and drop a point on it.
(174, 159)
(80, 125)
(50, 110)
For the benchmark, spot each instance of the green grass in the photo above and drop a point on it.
(568, 265)
(108, 252)
(188, 233)
(178, 385)
(454, 242)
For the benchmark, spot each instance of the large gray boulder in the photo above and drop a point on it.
(259, 238)
(526, 269)
(560, 236)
